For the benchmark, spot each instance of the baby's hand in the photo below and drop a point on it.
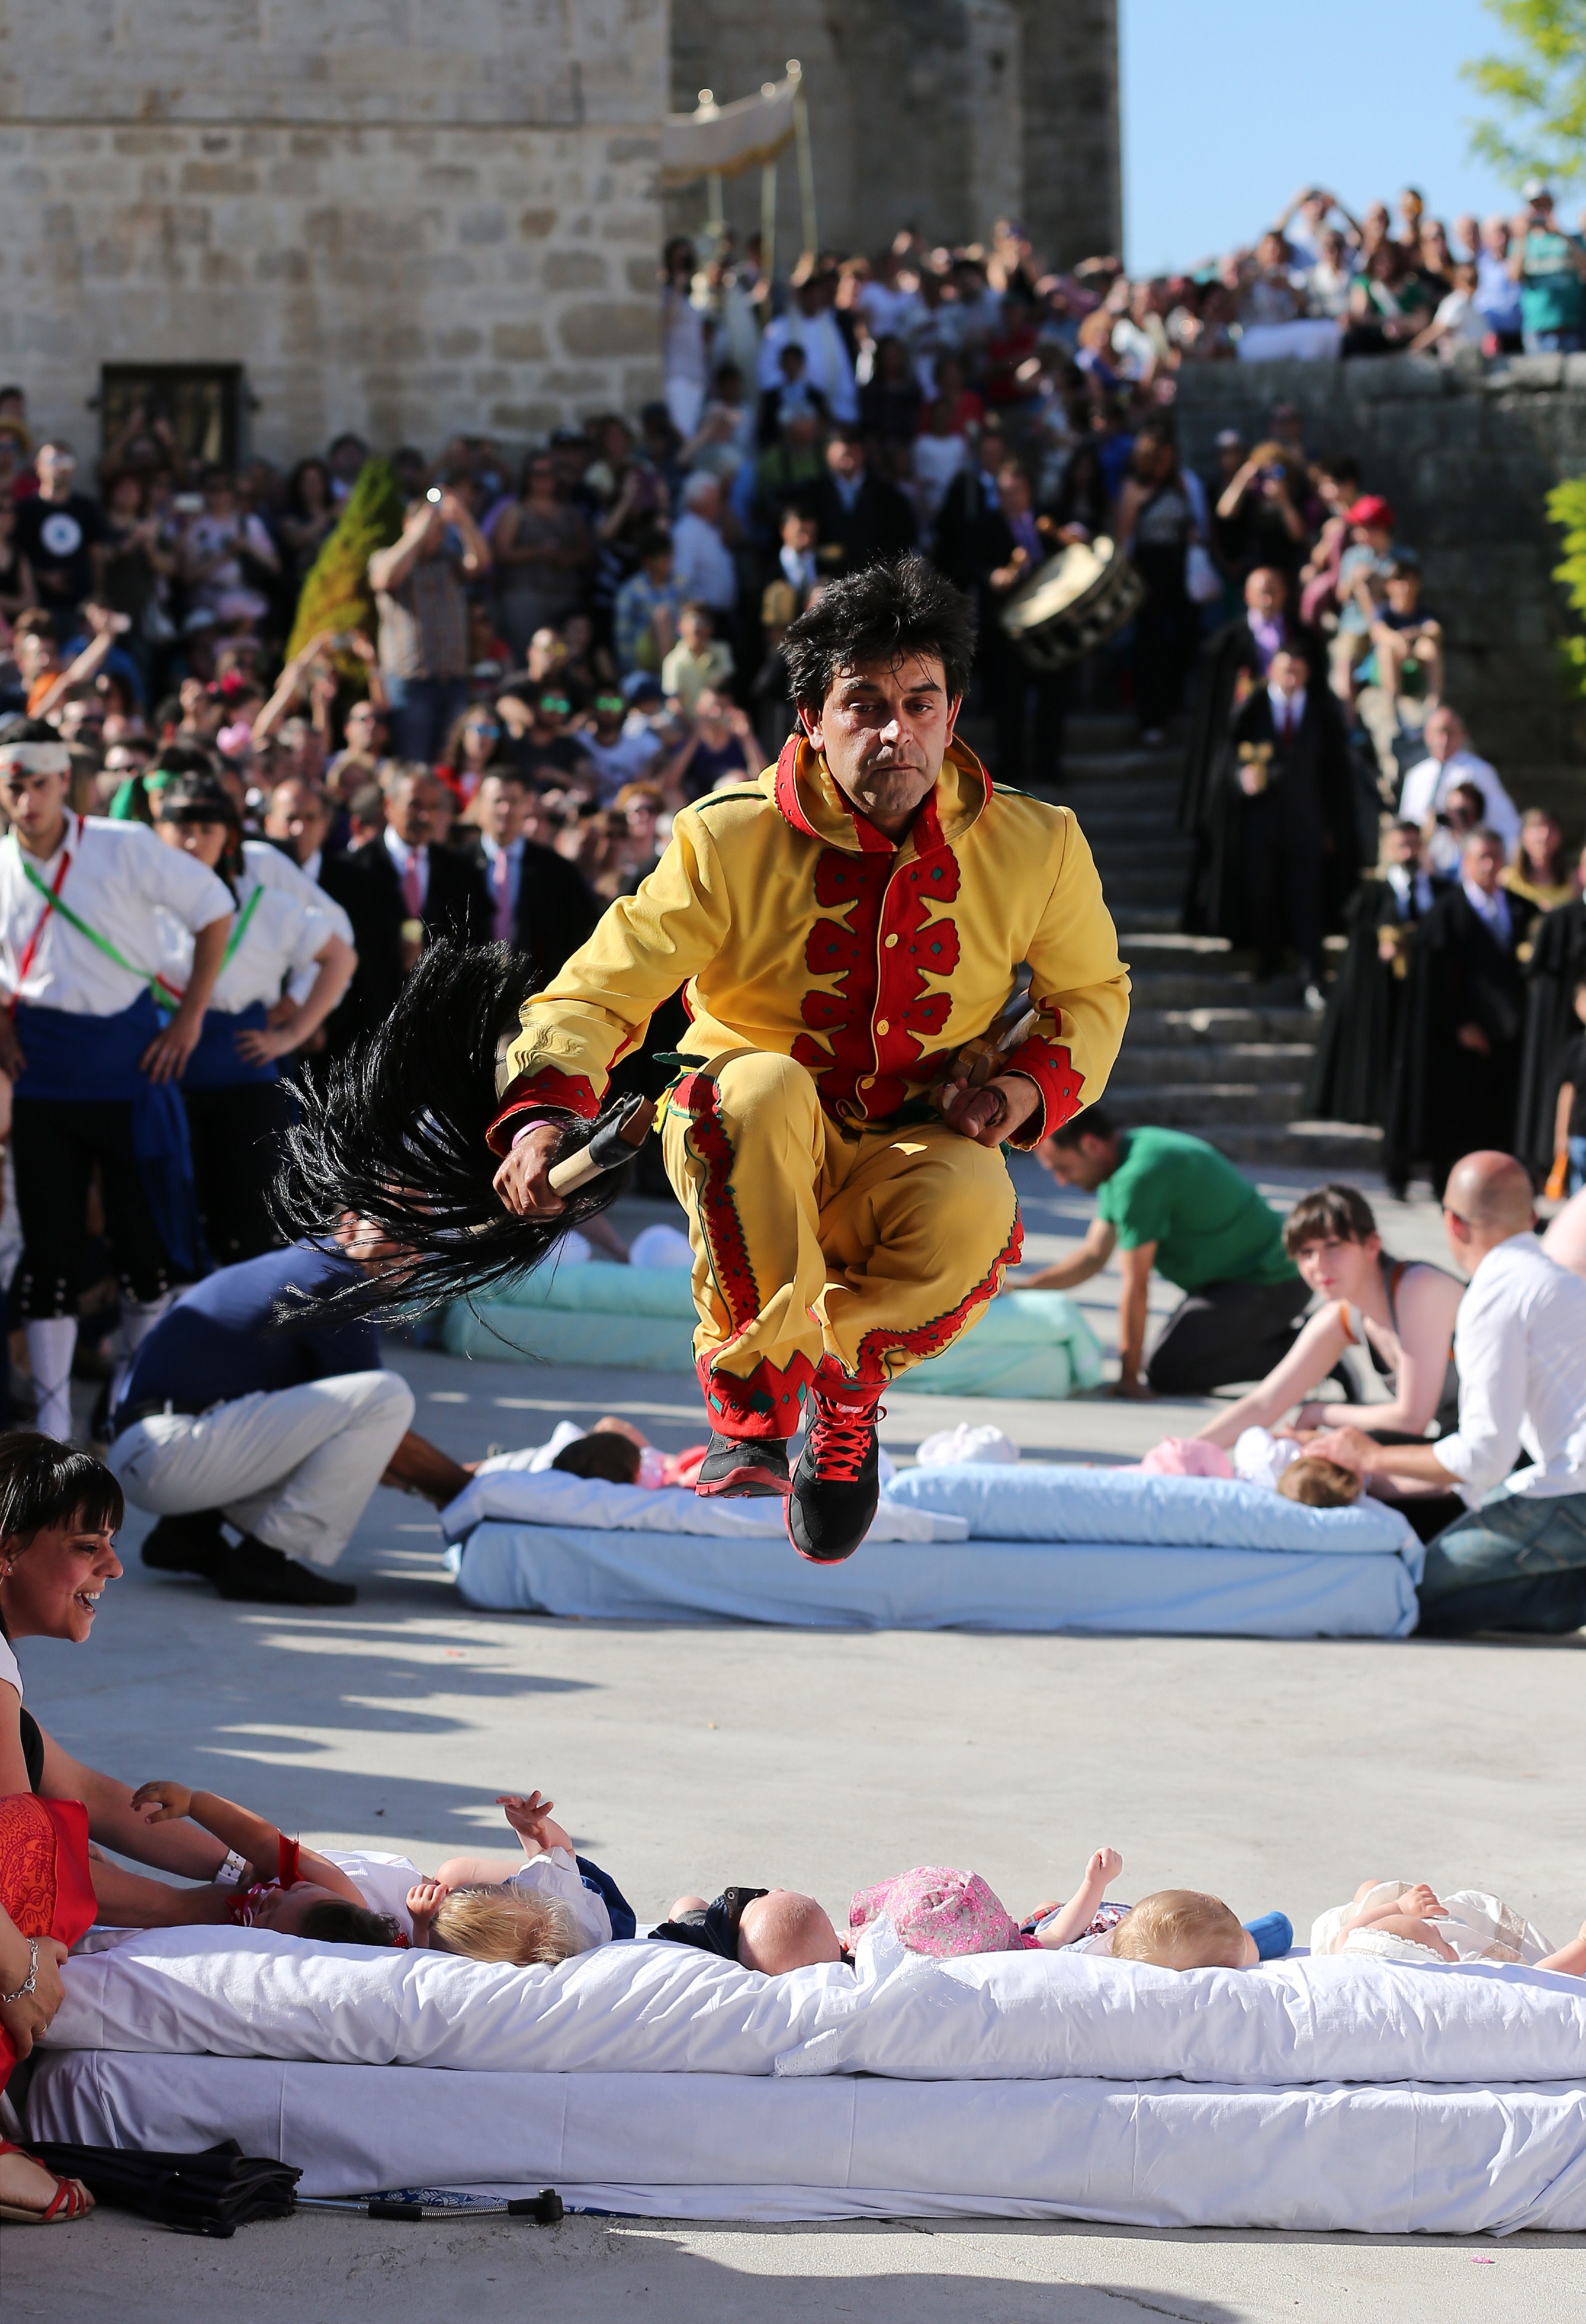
(425, 1899)
(528, 1816)
(1105, 1866)
(1420, 1903)
(161, 1803)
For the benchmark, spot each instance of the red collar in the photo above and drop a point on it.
(925, 830)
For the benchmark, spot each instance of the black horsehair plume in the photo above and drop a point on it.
(395, 1133)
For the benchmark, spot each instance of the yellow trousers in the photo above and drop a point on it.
(822, 1257)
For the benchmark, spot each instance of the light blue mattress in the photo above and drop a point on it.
(1028, 1344)
(1146, 1554)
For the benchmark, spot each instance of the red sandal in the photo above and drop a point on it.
(70, 2201)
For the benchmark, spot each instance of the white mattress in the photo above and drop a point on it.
(1380, 2160)
(641, 2008)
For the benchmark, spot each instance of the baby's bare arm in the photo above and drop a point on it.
(1080, 1910)
(478, 1871)
(1570, 1958)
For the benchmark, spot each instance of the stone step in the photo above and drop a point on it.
(1083, 769)
(1214, 1023)
(1124, 889)
(1112, 794)
(1102, 730)
(1153, 920)
(1202, 1106)
(1126, 820)
(1321, 1148)
(1227, 1064)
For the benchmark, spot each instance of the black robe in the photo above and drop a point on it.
(1446, 1100)
(1556, 966)
(1229, 656)
(1312, 789)
(1353, 1070)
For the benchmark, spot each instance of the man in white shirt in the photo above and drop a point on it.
(93, 1061)
(1450, 762)
(1517, 1560)
(810, 324)
(702, 563)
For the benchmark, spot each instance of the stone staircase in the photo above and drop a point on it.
(1206, 1051)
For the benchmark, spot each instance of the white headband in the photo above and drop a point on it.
(35, 758)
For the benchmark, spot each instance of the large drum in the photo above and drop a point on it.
(1071, 603)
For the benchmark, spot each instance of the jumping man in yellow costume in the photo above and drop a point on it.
(842, 926)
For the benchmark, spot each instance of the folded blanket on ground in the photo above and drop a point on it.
(1047, 1501)
(644, 2007)
(1028, 1343)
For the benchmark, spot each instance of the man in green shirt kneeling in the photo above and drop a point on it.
(1170, 1200)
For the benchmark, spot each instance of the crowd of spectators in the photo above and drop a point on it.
(565, 646)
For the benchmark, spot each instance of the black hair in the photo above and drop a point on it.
(44, 1484)
(1094, 1122)
(605, 1453)
(880, 614)
(203, 798)
(185, 759)
(28, 730)
(335, 1922)
(1333, 1214)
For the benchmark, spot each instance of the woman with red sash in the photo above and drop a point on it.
(58, 1513)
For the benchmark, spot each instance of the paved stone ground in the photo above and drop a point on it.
(1275, 1773)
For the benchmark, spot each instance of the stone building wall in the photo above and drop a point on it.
(943, 114)
(401, 220)
(1466, 460)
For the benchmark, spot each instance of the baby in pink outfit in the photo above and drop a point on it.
(948, 1914)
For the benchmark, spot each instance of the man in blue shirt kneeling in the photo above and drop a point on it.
(279, 1430)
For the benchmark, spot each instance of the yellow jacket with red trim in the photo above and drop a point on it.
(798, 928)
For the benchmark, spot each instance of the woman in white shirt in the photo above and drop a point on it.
(237, 1106)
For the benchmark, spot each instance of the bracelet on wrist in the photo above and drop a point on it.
(231, 1872)
(32, 1979)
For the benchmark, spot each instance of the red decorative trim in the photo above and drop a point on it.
(698, 1096)
(930, 1339)
(785, 789)
(548, 1091)
(880, 952)
(1051, 1065)
(763, 1402)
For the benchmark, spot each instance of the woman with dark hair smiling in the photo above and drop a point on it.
(59, 1511)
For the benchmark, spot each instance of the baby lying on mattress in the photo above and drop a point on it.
(1405, 1920)
(949, 1914)
(544, 1906)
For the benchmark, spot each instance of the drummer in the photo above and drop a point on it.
(1012, 543)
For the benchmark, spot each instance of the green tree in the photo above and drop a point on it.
(336, 595)
(1566, 508)
(1539, 89)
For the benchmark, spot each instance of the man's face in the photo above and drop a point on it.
(1403, 847)
(1403, 590)
(1444, 735)
(57, 467)
(1288, 672)
(844, 457)
(1264, 593)
(120, 762)
(411, 812)
(82, 721)
(502, 809)
(1482, 864)
(884, 729)
(1088, 1165)
(34, 654)
(36, 804)
(706, 505)
(800, 533)
(297, 815)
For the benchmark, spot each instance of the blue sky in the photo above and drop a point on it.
(1230, 104)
